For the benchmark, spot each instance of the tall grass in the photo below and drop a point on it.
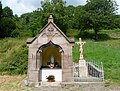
(13, 56)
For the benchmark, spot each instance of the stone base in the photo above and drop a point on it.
(50, 83)
(83, 72)
(34, 84)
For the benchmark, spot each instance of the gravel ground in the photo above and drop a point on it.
(16, 83)
(78, 87)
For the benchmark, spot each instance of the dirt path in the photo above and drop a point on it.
(78, 87)
(15, 83)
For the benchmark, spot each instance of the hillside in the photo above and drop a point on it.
(105, 50)
(108, 53)
(13, 54)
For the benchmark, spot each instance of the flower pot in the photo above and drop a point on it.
(51, 80)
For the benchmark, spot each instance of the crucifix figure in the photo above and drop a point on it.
(82, 63)
(81, 43)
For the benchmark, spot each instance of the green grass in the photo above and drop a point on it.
(106, 51)
(13, 56)
(13, 53)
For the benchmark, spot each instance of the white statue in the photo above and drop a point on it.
(51, 62)
(82, 63)
(80, 43)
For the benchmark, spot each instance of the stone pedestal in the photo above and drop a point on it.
(83, 72)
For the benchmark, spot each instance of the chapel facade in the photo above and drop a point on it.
(50, 53)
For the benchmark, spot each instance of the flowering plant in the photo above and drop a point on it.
(51, 77)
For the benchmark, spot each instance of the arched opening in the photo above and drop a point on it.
(50, 61)
(51, 57)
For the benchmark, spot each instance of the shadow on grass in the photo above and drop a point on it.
(115, 37)
(89, 35)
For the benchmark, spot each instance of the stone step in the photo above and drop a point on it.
(50, 83)
(88, 79)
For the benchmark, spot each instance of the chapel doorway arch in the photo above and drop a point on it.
(51, 57)
(51, 54)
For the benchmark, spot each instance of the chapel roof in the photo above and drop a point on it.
(50, 21)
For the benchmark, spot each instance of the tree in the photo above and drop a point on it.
(70, 13)
(0, 17)
(0, 10)
(0, 14)
(7, 12)
(116, 21)
(79, 16)
(7, 24)
(57, 8)
(100, 13)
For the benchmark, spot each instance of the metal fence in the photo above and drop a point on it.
(95, 72)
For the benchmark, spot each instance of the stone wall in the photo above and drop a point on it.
(50, 33)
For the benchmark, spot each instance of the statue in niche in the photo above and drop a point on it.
(51, 63)
(52, 60)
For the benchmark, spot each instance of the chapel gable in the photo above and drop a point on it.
(50, 32)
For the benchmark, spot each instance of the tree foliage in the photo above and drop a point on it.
(0, 10)
(57, 9)
(7, 24)
(100, 13)
(96, 15)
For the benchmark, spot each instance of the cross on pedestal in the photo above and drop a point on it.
(81, 43)
(82, 63)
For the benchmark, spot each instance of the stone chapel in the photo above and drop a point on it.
(50, 53)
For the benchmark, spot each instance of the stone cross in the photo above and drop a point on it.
(50, 19)
(81, 43)
(82, 63)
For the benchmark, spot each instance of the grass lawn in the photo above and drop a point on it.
(13, 53)
(106, 51)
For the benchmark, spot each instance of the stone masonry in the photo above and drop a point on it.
(53, 35)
